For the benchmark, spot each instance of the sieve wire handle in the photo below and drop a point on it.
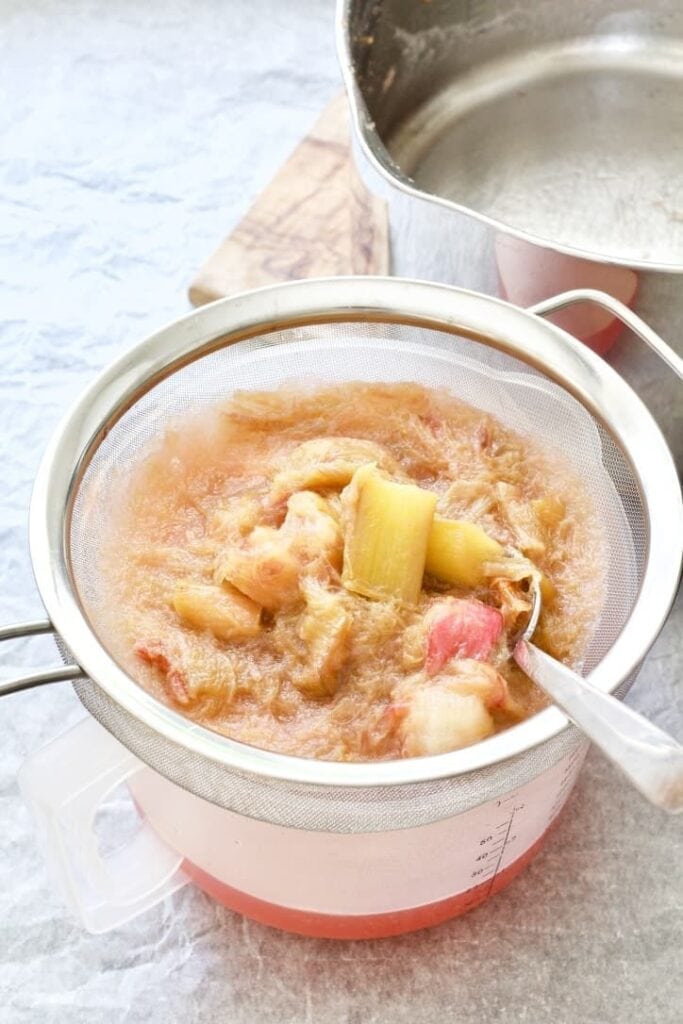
(63, 673)
(65, 784)
(650, 758)
(622, 312)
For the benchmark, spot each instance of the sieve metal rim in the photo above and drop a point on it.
(389, 300)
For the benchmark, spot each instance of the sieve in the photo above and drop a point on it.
(527, 372)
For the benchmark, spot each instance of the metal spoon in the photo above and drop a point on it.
(650, 759)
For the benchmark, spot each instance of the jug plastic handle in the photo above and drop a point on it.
(64, 784)
(622, 312)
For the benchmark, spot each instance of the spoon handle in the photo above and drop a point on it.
(650, 758)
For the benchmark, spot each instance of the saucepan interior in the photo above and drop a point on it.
(560, 123)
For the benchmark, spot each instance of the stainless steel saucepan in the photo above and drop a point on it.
(530, 148)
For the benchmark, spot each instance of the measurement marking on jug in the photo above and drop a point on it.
(491, 849)
(507, 838)
(567, 779)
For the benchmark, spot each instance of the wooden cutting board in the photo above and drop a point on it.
(314, 219)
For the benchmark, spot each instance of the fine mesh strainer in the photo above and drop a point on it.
(505, 360)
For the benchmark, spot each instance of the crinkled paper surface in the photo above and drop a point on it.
(134, 136)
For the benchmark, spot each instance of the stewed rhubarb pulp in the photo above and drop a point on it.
(337, 572)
